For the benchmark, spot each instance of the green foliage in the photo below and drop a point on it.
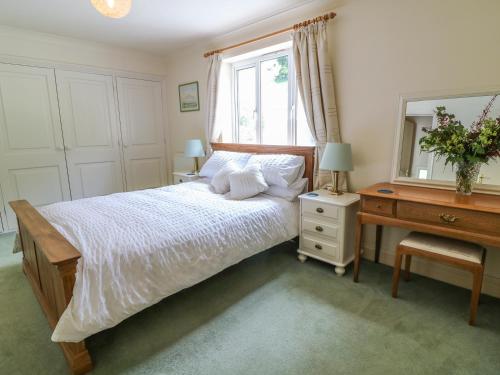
(460, 145)
(282, 75)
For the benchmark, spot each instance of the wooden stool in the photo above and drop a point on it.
(459, 253)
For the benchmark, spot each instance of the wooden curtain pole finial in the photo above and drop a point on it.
(323, 18)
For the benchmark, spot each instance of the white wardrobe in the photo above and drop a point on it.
(70, 135)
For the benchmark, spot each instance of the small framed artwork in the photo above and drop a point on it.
(189, 98)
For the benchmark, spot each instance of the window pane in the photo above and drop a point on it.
(274, 100)
(246, 114)
(304, 137)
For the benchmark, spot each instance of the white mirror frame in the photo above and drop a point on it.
(437, 184)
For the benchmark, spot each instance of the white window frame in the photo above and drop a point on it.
(255, 62)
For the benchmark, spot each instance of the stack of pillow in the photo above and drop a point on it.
(245, 175)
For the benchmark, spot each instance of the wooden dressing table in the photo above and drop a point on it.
(474, 218)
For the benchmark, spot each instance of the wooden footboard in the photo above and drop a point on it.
(49, 262)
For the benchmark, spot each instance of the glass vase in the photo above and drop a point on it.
(467, 174)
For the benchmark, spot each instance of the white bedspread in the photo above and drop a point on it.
(140, 247)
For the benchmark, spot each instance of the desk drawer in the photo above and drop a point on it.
(379, 206)
(320, 209)
(319, 227)
(481, 222)
(320, 245)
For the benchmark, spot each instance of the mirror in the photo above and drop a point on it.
(416, 114)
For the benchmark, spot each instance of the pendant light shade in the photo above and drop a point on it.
(112, 8)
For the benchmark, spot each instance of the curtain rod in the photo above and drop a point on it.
(324, 17)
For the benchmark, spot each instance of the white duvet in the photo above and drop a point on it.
(140, 247)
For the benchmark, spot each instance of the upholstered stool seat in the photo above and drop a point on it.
(455, 252)
(444, 246)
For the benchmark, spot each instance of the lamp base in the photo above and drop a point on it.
(334, 189)
(333, 192)
(196, 166)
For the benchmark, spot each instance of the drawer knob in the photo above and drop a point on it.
(319, 228)
(180, 180)
(320, 210)
(379, 206)
(318, 246)
(448, 219)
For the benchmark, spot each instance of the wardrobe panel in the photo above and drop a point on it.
(142, 124)
(145, 173)
(26, 101)
(3, 219)
(32, 160)
(91, 133)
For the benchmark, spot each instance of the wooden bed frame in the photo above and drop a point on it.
(49, 260)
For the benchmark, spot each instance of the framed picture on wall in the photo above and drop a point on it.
(189, 98)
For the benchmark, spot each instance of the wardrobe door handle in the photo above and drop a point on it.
(319, 228)
(318, 246)
(320, 210)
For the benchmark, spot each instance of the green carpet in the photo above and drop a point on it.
(269, 315)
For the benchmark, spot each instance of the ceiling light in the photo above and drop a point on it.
(112, 8)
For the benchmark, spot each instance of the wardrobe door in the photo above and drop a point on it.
(32, 162)
(142, 123)
(91, 133)
(2, 213)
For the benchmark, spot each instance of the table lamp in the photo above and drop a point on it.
(194, 149)
(336, 158)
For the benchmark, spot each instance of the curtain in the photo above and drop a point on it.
(314, 75)
(212, 131)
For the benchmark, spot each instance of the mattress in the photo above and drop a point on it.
(140, 247)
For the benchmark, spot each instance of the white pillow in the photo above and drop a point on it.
(280, 169)
(219, 159)
(289, 193)
(220, 181)
(247, 182)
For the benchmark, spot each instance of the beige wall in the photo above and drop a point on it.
(380, 49)
(26, 44)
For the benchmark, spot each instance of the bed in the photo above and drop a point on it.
(185, 234)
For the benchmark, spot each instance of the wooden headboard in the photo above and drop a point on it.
(306, 151)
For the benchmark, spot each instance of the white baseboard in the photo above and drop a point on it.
(439, 271)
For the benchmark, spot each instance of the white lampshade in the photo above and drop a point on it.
(112, 8)
(337, 157)
(194, 148)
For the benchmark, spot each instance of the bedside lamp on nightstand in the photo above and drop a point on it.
(194, 149)
(336, 158)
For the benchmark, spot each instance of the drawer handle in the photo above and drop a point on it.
(320, 210)
(448, 219)
(318, 246)
(319, 228)
(180, 180)
(379, 206)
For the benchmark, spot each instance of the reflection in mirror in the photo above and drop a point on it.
(413, 163)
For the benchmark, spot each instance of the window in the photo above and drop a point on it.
(266, 105)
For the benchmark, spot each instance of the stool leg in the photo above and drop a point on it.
(476, 292)
(407, 267)
(397, 272)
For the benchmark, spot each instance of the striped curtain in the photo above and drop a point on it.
(212, 131)
(315, 83)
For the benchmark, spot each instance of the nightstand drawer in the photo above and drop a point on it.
(180, 177)
(320, 209)
(319, 227)
(178, 180)
(318, 244)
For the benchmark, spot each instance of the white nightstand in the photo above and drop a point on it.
(180, 177)
(327, 225)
